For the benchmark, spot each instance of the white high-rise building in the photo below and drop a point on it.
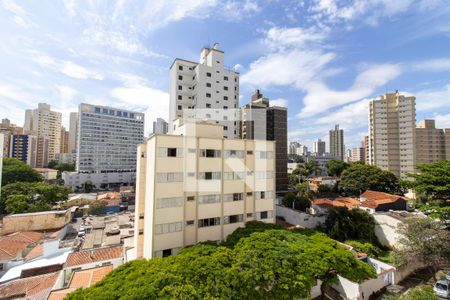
(207, 89)
(392, 133)
(106, 146)
(46, 125)
(160, 126)
(73, 130)
(194, 186)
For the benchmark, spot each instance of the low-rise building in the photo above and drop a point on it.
(315, 182)
(75, 180)
(49, 175)
(379, 201)
(35, 287)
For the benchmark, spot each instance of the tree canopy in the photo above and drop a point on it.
(22, 197)
(15, 170)
(272, 264)
(301, 200)
(425, 239)
(358, 178)
(433, 180)
(355, 224)
(336, 167)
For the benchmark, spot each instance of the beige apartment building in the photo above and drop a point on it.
(432, 144)
(392, 133)
(46, 125)
(195, 185)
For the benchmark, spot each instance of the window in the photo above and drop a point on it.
(234, 154)
(97, 110)
(180, 77)
(168, 228)
(233, 175)
(209, 175)
(169, 152)
(192, 150)
(264, 215)
(179, 107)
(249, 193)
(208, 84)
(208, 199)
(249, 215)
(180, 68)
(190, 198)
(169, 177)
(233, 219)
(225, 78)
(209, 153)
(265, 154)
(208, 95)
(190, 222)
(208, 222)
(169, 202)
(233, 197)
(225, 127)
(180, 97)
(225, 88)
(208, 105)
(208, 74)
(225, 107)
(225, 97)
(249, 152)
(180, 87)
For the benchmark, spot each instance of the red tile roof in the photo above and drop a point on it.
(347, 202)
(36, 288)
(35, 252)
(14, 244)
(374, 198)
(94, 255)
(83, 279)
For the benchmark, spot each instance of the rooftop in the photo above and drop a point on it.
(347, 202)
(372, 199)
(14, 244)
(36, 288)
(94, 255)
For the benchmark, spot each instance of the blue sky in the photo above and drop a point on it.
(323, 59)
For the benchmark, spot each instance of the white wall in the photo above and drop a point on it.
(295, 217)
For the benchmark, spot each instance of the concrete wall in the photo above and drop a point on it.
(47, 220)
(295, 217)
(405, 270)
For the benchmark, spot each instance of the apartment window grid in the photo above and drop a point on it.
(233, 175)
(208, 222)
(209, 175)
(233, 219)
(208, 199)
(264, 195)
(234, 154)
(233, 197)
(264, 174)
(262, 215)
(169, 177)
(264, 154)
(210, 153)
(168, 228)
(169, 202)
(170, 152)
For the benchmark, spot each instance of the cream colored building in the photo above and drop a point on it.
(194, 185)
(432, 144)
(392, 134)
(46, 125)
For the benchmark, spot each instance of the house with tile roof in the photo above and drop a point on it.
(374, 201)
(324, 204)
(96, 257)
(35, 288)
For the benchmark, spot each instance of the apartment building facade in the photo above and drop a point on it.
(8, 129)
(206, 89)
(46, 125)
(195, 185)
(319, 147)
(260, 121)
(73, 133)
(64, 146)
(337, 147)
(432, 144)
(160, 126)
(24, 147)
(392, 134)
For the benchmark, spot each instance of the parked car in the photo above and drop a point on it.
(442, 289)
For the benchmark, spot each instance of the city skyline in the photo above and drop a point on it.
(314, 58)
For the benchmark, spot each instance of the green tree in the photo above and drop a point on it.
(88, 186)
(301, 200)
(419, 293)
(325, 188)
(433, 180)
(354, 224)
(52, 164)
(16, 204)
(269, 264)
(358, 178)
(336, 167)
(17, 171)
(423, 239)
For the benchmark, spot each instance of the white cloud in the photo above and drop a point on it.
(320, 98)
(428, 100)
(155, 103)
(279, 102)
(434, 65)
(13, 7)
(442, 121)
(73, 70)
(21, 22)
(294, 36)
(66, 93)
(293, 67)
(237, 10)
(348, 116)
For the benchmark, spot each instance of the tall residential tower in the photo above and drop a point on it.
(337, 148)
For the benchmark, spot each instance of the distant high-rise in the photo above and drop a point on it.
(73, 131)
(260, 121)
(8, 129)
(337, 148)
(160, 126)
(319, 147)
(64, 141)
(366, 149)
(293, 147)
(108, 139)
(392, 135)
(24, 147)
(357, 154)
(46, 125)
(432, 144)
(207, 89)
